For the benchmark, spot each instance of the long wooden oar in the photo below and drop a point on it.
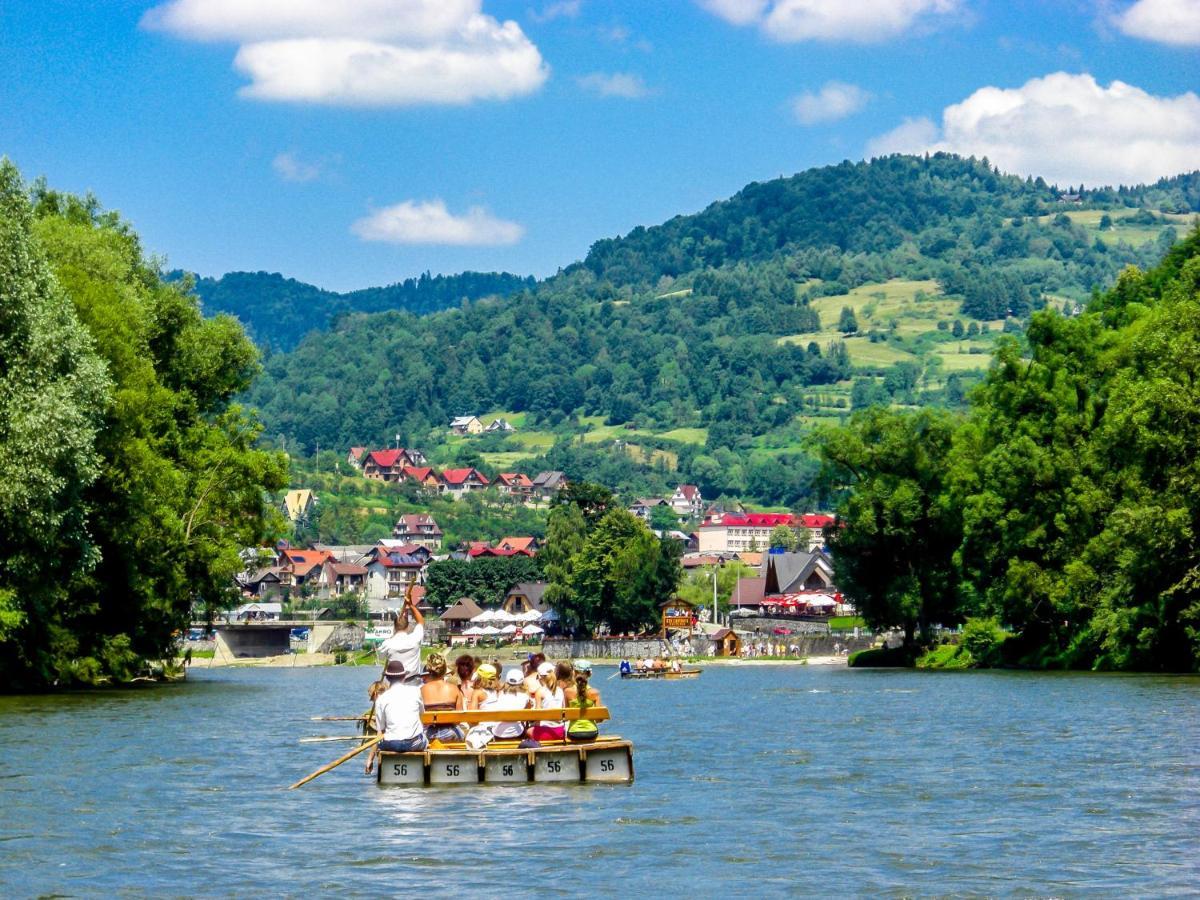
(337, 762)
(335, 718)
(326, 739)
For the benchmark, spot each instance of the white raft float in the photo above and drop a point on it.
(606, 760)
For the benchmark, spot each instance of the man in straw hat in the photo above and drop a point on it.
(398, 710)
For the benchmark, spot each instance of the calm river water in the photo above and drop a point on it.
(759, 781)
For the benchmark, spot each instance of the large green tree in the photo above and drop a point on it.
(53, 390)
(174, 482)
(897, 529)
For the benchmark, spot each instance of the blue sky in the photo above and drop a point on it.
(357, 143)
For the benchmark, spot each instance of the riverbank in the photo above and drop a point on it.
(311, 660)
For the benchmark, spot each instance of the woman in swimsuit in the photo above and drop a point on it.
(439, 694)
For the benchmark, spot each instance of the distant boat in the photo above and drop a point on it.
(664, 673)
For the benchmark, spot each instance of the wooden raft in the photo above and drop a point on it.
(608, 759)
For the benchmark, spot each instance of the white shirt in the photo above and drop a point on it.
(548, 700)
(502, 700)
(398, 711)
(406, 647)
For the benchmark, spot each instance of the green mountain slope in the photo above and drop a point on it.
(278, 311)
(706, 348)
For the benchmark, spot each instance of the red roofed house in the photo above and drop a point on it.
(419, 528)
(355, 456)
(687, 502)
(424, 476)
(460, 482)
(476, 552)
(516, 485)
(386, 465)
(734, 532)
(529, 544)
(342, 578)
(300, 567)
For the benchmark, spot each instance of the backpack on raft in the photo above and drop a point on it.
(583, 730)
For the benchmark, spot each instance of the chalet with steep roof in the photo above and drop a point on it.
(514, 484)
(457, 483)
(687, 502)
(546, 485)
(419, 528)
(386, 465)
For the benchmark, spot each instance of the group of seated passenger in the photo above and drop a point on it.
(480, 685)
(651, 665)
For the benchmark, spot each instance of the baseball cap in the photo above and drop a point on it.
(582, 665)
(545, 669)
(513, 676)
(486, 671)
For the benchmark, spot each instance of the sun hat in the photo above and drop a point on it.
(545, 669)
(582, 665)
(395, 669)
(513, 676)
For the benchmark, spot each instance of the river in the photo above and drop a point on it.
(759, 780)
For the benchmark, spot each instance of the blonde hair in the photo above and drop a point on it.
(549, 680)
(517, 688)
(486, 682)
(435, 665)
(376, 688)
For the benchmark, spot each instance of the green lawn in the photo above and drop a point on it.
(955, 361)
(687, 435)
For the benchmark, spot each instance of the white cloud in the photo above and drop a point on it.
(364, 52)
(1168, 21)
(1066, 128)
(562, 9)
(617, 84)
(834, 101)
(291, 167)
(860, 21)
(429, 222)
(257, 20)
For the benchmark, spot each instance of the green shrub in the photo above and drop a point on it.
(981, 638)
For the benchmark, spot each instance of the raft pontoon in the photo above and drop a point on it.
(606, 760)
(663, 673)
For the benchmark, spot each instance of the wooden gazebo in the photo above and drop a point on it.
(678, 615)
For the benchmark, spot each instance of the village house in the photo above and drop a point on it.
(355, 456)
(795, 573)
(299, 504)
(341, 578)
(643, 507)
(419, 528)
(298, 568)
(390, 572)
(386, 465)
(503, 426)
(459, 615)
(530, 545)
(463, 425)
(423, 476)
(687, 502)
(457, 483)
(546, 485)
(515, 485)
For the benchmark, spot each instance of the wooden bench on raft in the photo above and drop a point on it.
(475, 716)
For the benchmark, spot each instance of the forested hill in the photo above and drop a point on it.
(706, 348)
(278, 311)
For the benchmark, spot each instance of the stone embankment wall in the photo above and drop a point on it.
(811, 644)
(610, 648)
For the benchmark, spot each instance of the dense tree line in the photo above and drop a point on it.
(129, 477)
(277, 312)
(486, 580)
(1065, 506)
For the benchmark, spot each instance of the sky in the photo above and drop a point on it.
(359, 142)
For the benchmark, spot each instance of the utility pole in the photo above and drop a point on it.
(714, 576)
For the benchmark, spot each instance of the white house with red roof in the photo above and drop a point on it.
(734, 532)
(812, 530)
(687, 502)
(419, 528)
(457, 483)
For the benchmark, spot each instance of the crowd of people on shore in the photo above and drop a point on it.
(409, 688)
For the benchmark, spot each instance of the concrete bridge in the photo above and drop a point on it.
(250, 640)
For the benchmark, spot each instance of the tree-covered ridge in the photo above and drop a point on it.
(1065, 507)
(277, 312)
(711, 323)
(131, 478)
